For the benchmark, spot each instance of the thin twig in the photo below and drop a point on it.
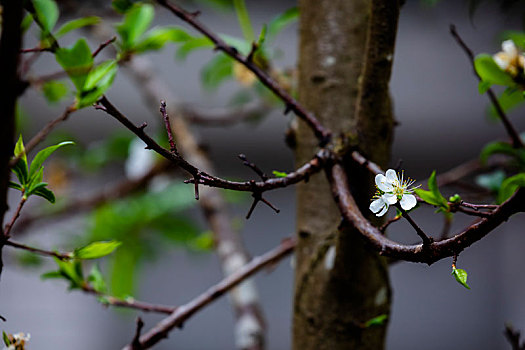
(184, 312)
(511, 131)
(319, 130)
(61, 256)
(514, 337)
(426, 240)
(166, 118)
(102, 46)
(135, 344)
(15, 216)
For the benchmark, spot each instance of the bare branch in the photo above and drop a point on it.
(184, 312)
(61, 256)
(8, 227)
(322, 134)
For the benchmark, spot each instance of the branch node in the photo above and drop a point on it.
(136, 344)
(254, 167)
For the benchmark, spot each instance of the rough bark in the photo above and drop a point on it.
(345, 59)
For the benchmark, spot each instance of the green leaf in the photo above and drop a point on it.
(490, 72)
(277, 173)
(15, 186)
(47, 13)
(96, 250)
(509, 99)
(45, 193)
(433, 196)
(376, 321)
(156, 38)
(203, 242)
(76, 61)
(26, 22)
(69, 270)
(280, 22)
(20, 168)
(51, 275)
(37, 186)
(7, 342)
(461, 276)
(54, 91)
(41, 156)
(103, 78)
(497, 147)
(76, 24)
(34, 180)
(97, 280)
(244, 20)
(98, 73)
(217, 71)
(491, 181)
(191, 45)
(483, 87)
(509, 186)
(135, 23)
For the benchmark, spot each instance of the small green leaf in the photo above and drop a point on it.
(5, 337)
(491, 181)
(15, 186)
(508, 100)
(45, 193)
(191, 45)
(98, 73)
(280, 22)
(497, 147)
(277, 173)
(216, 71)
(103, 77)
(376, 321)
(156, 38)
(76, 24)
(47, 13)
(96, 250)
(41, 156)
(76, 61)
(509, 186)
(455, 198)
(203, 242)
(54, 91)
(461, 276)
(122, 6)
(26, 22)
(69, 270)
(20, 168)
(135, 23)
(51, 275)
(433, 196)
(490, 72)
(97, 280)
(483, 87)
(244, 20)
(33, 188)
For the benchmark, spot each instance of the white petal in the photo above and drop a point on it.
(408, 201)
(391, 176)
(501, 60)
(382, 183)
(376, 205)
(390, 198)
(383, 212)
(510, 48)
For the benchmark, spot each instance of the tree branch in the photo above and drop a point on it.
(322, 134)
(184, 312)
(417, 253)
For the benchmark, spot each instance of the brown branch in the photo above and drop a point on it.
(426, 240)
(184, 312)
(102, 46)
(166, 118)
(511, 131)
(8, 227)
(322, 134)
(228, 243)
(514, 337)
(135, 344)
(61, 256)
(417, 253)
(129, 303)
(203, 178)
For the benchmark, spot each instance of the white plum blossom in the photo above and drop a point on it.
(391, 189)
(18, 341)
(510, 58)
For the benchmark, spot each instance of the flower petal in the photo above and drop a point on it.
(383, 212)
(389, 198)
(509, 48)
(408, 201)
(382, 183)
(391, 176)
(376, 205)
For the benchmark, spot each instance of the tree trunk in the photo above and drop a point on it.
(345, 59)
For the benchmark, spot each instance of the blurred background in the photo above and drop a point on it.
(443, 121)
